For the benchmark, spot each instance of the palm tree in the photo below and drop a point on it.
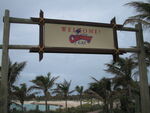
(123, 81)
(143, 10)
(13, 74)
(64, 90)
(147, 54)
(90, 95)
(22, 93)
(103, 89)
(80, 91)
(14, 71)
(123, 69)
(44, 83)
(147, 51)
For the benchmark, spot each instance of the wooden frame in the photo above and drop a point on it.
(41, 49)
(144, 91)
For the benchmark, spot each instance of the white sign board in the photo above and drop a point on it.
(78, 36)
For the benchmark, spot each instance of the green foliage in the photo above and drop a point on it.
(79, 89)
(14, 71)
(22, 93)
(44, 83)
(13, 75)
(63, 89)
(143, 13)
(103, 89)
(147, 54)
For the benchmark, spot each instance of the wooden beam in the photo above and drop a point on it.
(30, 21)
(21, 47)
(21, 21)
(5, 65)
(144, 90)
(116, 54)
(28, 47)
(128, 29)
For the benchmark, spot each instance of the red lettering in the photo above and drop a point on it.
(95, 31)
(63, 29)
(91, 31)
(84, 30)
(74, 29)
(69, 29)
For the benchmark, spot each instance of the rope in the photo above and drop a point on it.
(117, 51)
(42, 21)
(114, 25)
(41, 49)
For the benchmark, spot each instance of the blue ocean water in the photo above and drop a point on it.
(29, 107)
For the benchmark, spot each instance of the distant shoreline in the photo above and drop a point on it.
(55, 103)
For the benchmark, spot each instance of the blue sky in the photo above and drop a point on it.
(78, 68)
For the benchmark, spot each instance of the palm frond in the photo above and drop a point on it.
(134, 21)
(64, 88)
(71, 91)
(145, 17)
(95, 79)
(34, 87)
(79, 89)
(140, 6)
(14, 71)
(147, 54)
(114, 70)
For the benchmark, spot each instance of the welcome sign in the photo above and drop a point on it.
(78, 36)
(65, 36)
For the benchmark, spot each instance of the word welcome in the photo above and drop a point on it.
(83, 30)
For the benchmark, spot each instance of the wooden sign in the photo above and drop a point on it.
(63, 36)
(77, 36)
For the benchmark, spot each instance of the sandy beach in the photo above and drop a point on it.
(59, 103)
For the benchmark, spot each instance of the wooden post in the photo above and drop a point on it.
(144, 90)
(5, 65)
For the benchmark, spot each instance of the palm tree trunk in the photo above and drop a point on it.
(81, 101)
(46, 102)
(22, 107)
(98, 102)
(137, 104)
(129, 90)
(91, 101)
(111, 106)
(66, 103)
(9, 99)
(105, 106)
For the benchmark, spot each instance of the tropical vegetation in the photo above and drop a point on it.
(80, 91)
(22, 93)
(13, 75)
(44, 83)
(143, 13)
(64, 90)
(103, 88)
(123, 82)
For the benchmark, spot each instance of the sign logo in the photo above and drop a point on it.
(79, 38)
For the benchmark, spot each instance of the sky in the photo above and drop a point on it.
(76, 67)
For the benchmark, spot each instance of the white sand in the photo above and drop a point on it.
(60, 103)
